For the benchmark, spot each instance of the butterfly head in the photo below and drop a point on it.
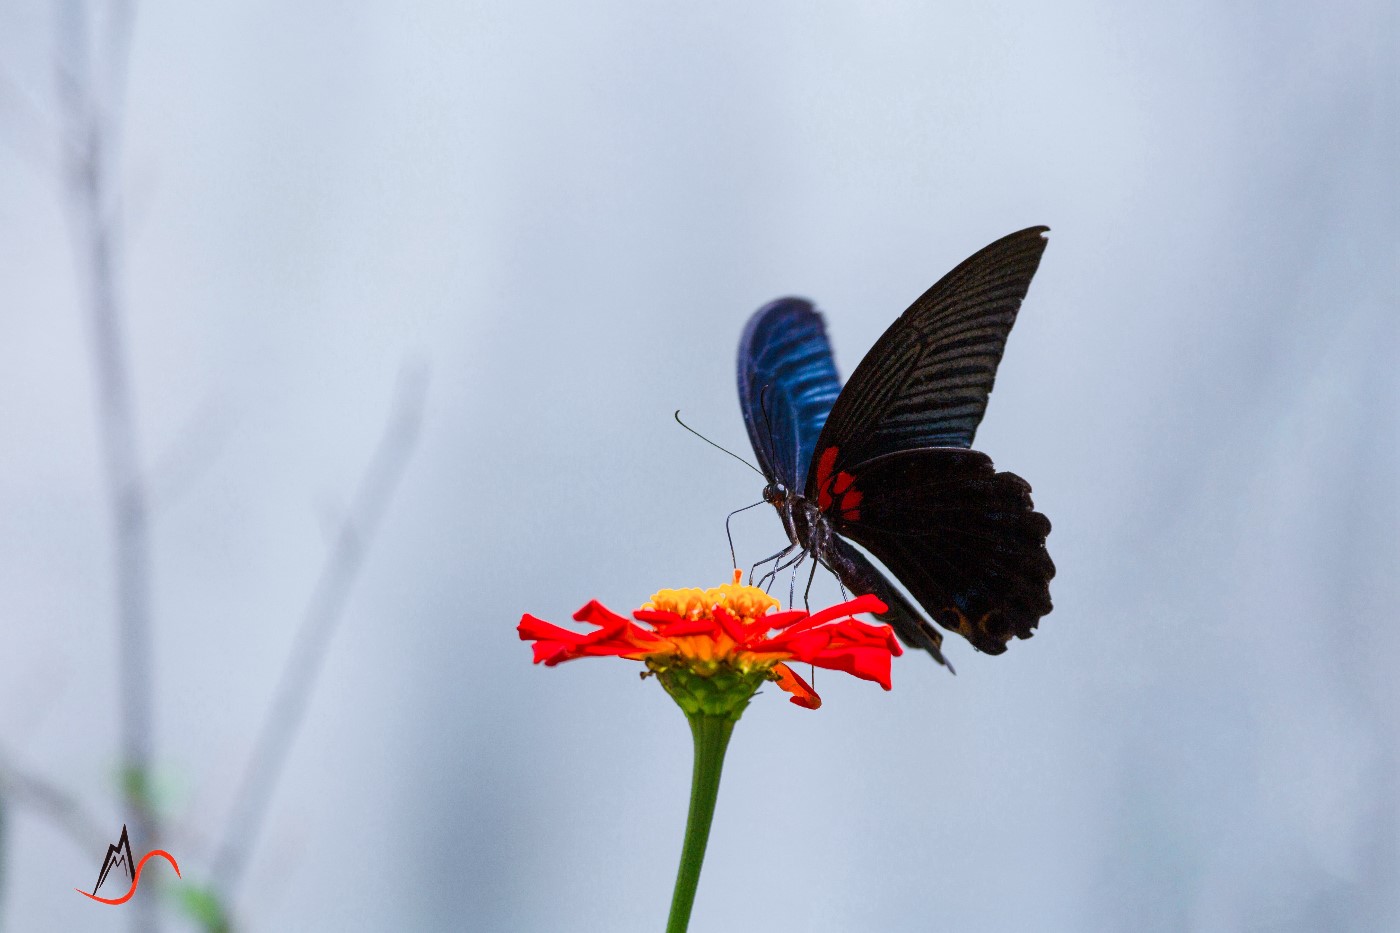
(775, 494)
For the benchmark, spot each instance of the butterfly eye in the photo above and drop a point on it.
(774, 493)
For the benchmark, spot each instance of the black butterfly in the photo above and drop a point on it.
(885, 461)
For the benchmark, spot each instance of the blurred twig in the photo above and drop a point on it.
(90, 94)
(28, 131)
(323, 612)
(53, 802)
(90, 71)
(195, 447)
(4, 827)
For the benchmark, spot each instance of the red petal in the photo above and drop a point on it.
(550, 653)
(856, 630)
(865, 663)
(802, 693)
(802, 645)
(859, 604)
(600, 615)
(555, 645)
(663, 620)
(535, 629)
(676, 626)
(729, 625)
(777, 620)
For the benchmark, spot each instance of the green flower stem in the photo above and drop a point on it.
(711, 734)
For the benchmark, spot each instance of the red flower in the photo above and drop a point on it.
(727, 630)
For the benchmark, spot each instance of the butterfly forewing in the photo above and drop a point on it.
(925, 382)
(787, 385)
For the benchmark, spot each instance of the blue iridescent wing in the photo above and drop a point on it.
(787, 385)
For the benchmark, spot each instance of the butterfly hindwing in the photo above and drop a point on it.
(964, 539)
(925, 382)
(861, 576)
(787, 385)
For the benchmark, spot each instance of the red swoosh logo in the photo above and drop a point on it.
(136, 880)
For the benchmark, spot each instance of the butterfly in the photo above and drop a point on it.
(886, 460)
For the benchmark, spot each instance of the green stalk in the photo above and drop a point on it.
(711, 734)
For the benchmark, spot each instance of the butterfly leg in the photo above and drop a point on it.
(766, 581)
(845, 594)
(792, 580)
(772, 575)
(770, 559)
(807, 593)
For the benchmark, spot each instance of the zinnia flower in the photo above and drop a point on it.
(713, 648)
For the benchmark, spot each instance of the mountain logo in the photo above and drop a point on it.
(119, 856)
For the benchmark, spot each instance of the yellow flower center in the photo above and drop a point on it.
(708, 673)
(745, 603)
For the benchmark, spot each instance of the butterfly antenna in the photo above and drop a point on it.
(733, 558)
(716, 446)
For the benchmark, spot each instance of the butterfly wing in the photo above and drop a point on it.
(891, 474)
(965, 539)
(787, 385)
(925, 382)
(861, 576)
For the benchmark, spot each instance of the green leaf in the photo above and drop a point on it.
(202, 905)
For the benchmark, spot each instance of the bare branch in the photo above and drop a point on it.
(195, 447)
(318, 625)
(49, 800)
(91, 101)
(30, 133)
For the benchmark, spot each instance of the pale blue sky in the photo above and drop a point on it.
(567, 212)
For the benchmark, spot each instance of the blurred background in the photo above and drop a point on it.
(538, 229)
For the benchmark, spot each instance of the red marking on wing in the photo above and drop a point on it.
(136, 879)
(842, 485)
(824, 466)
